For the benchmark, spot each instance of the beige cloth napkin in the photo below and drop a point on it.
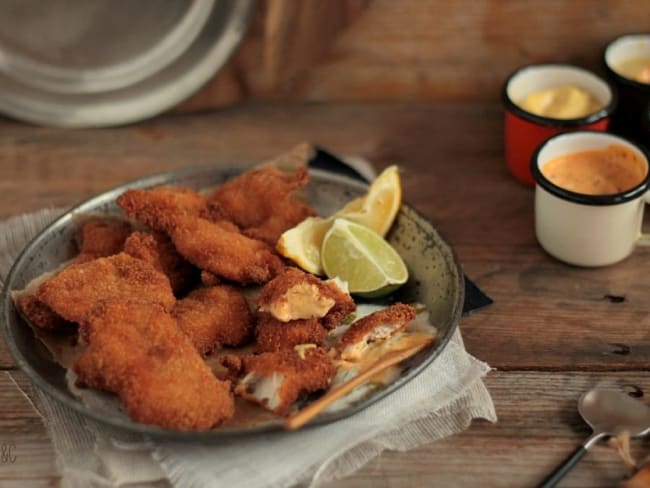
(441, 401)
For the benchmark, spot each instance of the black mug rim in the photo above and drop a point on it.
(581, 198)
(617, 76)
(601, 114)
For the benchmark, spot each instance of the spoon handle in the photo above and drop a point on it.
(555, 477)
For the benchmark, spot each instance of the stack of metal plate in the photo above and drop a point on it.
(94, 63)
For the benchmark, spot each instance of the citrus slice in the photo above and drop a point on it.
(302, 243)
(378, 208)
(358, 255)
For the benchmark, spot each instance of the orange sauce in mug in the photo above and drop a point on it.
(614, 169)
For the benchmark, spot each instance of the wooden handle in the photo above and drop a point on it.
(303, 416)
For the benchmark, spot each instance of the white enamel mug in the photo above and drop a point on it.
(588, 230)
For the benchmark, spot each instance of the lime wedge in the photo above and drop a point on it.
(361, 257)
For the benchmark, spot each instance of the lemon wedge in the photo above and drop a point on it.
(358, 255)
(302, 243)
(376, 209)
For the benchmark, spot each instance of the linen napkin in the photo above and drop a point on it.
(441, 401)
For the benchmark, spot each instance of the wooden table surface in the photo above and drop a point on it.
(553, 332)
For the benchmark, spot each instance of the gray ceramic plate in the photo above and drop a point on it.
(436, 280)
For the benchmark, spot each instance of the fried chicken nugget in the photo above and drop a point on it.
(377, 326)
(99, 238)
(159, 250)
(75, 291)
(159, 207)
(136, 350)
(217, 248)
(275, 380)
(214, 317)
(274, 335)
(295, 294)
(262, 203)
(199, 236)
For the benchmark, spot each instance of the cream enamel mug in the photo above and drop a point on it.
(589, 229)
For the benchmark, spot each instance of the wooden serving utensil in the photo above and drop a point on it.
(300, 418)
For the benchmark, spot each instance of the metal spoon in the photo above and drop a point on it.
(608, 413)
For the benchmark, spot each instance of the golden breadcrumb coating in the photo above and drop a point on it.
(159, 207)
(216, 247)
(42, 316)
(294, 294)
(262, 201)
(136, 350)
(99, 238)
(214, 317)
(275, 380)
(159, 250)
(75, 291)
(213, 245)
(376, 326)
(209, 279)
(273, 335)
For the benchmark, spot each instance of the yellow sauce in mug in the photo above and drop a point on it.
(614, 169)
(562, 102)
(637, 69)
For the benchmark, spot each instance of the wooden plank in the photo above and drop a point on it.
(6, 361)
(550, 316)
(538, 426)
(31, 461)
(26, 454)
(414, 50)
(419, 50)
(18, 415)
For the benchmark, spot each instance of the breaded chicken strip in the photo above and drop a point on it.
(76, 290)
(275, 380)
(99, 238)
(96, 237)
(136, 351)
(159, 250)
(159, 207)
(374, 327)
(217, 248)
(273, 335)
(262, 203)
(295, 294)
(211, 244)
(214, 317)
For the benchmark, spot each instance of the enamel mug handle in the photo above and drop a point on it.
(644, 239)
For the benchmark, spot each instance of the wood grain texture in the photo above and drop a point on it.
(379, 50)
(538, 426)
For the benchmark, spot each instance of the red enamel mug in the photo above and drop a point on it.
(524, 131)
